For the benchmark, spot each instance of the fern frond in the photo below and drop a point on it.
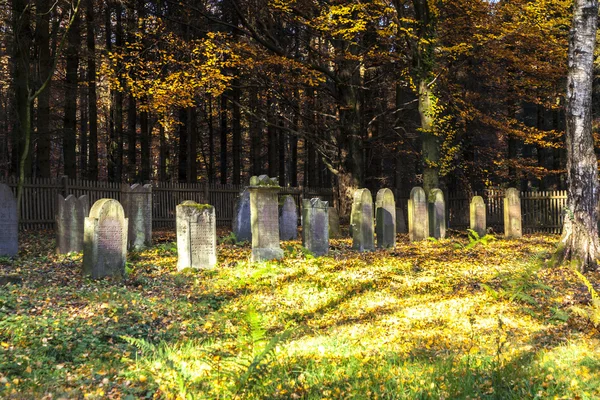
(589, 286)
(143, 345)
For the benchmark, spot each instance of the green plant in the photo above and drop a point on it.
(229, 239)
(591, 311)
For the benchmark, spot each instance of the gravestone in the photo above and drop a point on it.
(385, 216)
(401, 220)
(105, 240)
(315, 228)
(334, 223)
(196, 235)
(418, 215)
(70, 217)
(9, 223)
(288, 219)
(241, 217)
(477, 213)
(264, 212)
(361, 221)
(137, 203)
(512, 214)
(437, 214)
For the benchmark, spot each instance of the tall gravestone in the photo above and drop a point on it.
(70, 217)
(264, 212)
(512, 214)
(385, 216)
(437, 214)
(137, 203)
(418, 215)
(361, 221)
(334, 223)
(196, 235)
(288, 219)
(315, 226)
(477, 214)
(241, 217)
(105, 240)
(9, 223)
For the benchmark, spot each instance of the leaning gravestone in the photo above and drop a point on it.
(512, 214)
(437, 214)
(418, 216)
(137, 204)
(478, 216)
(385, 216)
(9, 223)
(70, 217)
(264, 212)
(105, 240)
(196, 235)
(334, 223)
(315, 226)
(242, 228)
(361, 221)
(288, 219)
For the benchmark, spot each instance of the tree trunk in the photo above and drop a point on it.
(83, 131)
(224, 131)
(92, 97)
(43, 106)
(192, 152)
(131, 139)
(163, 172)
(183, 143)
(272, 145)
(430, 145)
(236, 130)
(255, 128)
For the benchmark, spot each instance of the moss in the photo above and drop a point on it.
(264, 181)
(198, 206)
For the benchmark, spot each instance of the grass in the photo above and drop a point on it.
(426, 320)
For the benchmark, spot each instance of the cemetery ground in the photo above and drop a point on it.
(435, 319)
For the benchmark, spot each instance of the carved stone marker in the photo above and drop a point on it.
(70, 217)
(334, 223)
(418, 215)
(105, 240)
(437, 214)
(385, 216)
(288, 219)
(264, 217)
(478, 216)
(241, 217)
(137, 203)
(196, 235)
(361, 221)
(9, 223)
(315, 228)
(512, 214)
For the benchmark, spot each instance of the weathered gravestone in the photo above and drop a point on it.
(437, 214)
(9, 223)
(288, 219)
(70, 217)
(401, 220)
(137, 203)
(385, 216)
(196, 235)
(105, 240)
(418, 215)
(361, 221)
(512, 214)
(242, 228)
(264, 212)
(477, 215)
(315, 226)
(334, 223)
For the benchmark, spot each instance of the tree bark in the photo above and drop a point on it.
(236, 130)
(224, 131)
(43, 106)
(70, 117)
(92, 97)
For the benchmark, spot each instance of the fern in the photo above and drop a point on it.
(591, 312)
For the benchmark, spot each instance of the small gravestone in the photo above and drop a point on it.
(70, 217)
(242, 228)
(196, 235)
(9, 223)
(512, 214)
(437, 214)
(385, 216)
(418, 215)
(264, 218)
(137, 203)
(361, 221)
(334, 223)
(400, 221)
(478, 216)
(315, 228)
(288, 219)
(105, 240)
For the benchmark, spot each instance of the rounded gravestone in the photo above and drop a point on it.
(9, 223)
(288, 219)
(418, 215)
(315, 228)
(477, 213)
(70, 217)
(137, 204)
(264, 217)
(242, 228)
(363, 235)
(385, 215)
(196, 235)
(437, 214)
(512, 214)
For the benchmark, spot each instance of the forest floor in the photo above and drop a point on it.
(436, 319)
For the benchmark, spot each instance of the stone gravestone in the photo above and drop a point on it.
(385, 217)
(70, 217)
(437, 214)
(137, 203)
(478, 216)
(418, 215)
(401, 220)
(264, 212)
(334, 223)
(361, 221)
(315, 226)
(512, 214)
(241, 218)
(105, 240)
(196, 235)
(288, 219)
(9, 223)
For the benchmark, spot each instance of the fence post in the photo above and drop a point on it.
(64, 183)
